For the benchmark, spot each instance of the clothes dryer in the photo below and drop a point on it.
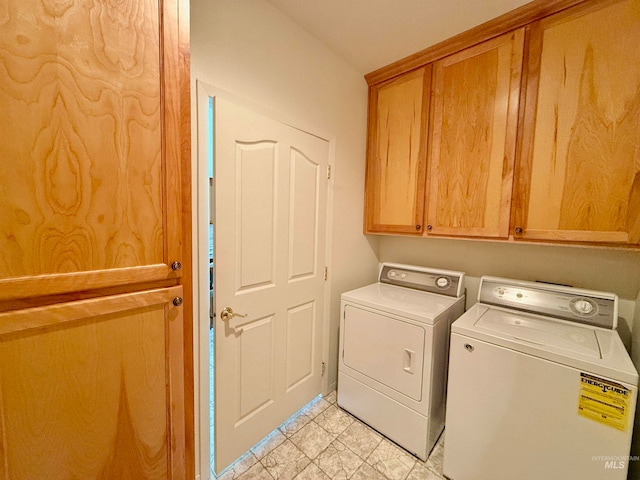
(394, 343)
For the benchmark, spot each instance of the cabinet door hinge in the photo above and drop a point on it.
(326, 273)
(323, 368)
(328, 172)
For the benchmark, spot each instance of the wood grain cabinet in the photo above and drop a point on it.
(93, 389)
(472, 139)
(90, 165)
(95, 208)
(398, 115)
(579, 175)
(533, 131)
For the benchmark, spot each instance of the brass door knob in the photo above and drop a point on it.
(227, 314)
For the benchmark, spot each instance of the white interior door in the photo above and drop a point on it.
(270, 223)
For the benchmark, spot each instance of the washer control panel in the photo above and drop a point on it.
(444, 282)
(584, 306)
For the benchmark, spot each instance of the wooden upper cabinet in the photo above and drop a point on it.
(473, 138)
(398, 113)
(90, 180)
(580, 167)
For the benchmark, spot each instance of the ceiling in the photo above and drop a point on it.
(370, 34)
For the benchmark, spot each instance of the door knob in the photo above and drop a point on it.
(227, 314)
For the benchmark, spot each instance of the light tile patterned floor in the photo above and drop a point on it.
(324, 442)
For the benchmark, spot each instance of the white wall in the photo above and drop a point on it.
(250, 49)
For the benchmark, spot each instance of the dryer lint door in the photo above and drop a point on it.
(385, 349)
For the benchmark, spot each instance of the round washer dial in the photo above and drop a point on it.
(443, 282)
(583, 306)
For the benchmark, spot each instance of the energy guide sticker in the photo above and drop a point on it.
(604, 401)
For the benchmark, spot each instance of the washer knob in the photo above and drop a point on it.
(443, 282)
(583, 307)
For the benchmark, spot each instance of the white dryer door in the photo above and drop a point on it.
(385, 349)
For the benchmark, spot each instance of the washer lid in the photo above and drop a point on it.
(414, 304)
(552, 339)
(550, 334)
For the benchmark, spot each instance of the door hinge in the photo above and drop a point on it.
(323, 369)
(326, 273)
(328, 172)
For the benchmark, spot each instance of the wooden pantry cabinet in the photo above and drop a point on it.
(96, 375)
(472, 138)
(534, 134)
(579, 174)
(398, 116)
(87, 391)
(90, 170)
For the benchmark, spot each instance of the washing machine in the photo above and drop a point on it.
(393, 354)
(540, 386)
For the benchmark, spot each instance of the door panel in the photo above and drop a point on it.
(255, 363)
(90, 188)
(301, 323)
(303, 204)
(85, 388)
(270, 254)
(255, 176)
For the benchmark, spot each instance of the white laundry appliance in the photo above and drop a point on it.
(394, 345)
(540, 386)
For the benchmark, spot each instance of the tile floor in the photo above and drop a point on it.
(324, 442)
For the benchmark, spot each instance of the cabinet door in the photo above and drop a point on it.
(473, 138)
(90, 181)
(579, 178)
(93, 389)
(398, 113)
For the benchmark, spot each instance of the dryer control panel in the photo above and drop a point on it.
(599, 309)
(443, 282)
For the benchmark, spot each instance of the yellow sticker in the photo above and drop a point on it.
(604, 401)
